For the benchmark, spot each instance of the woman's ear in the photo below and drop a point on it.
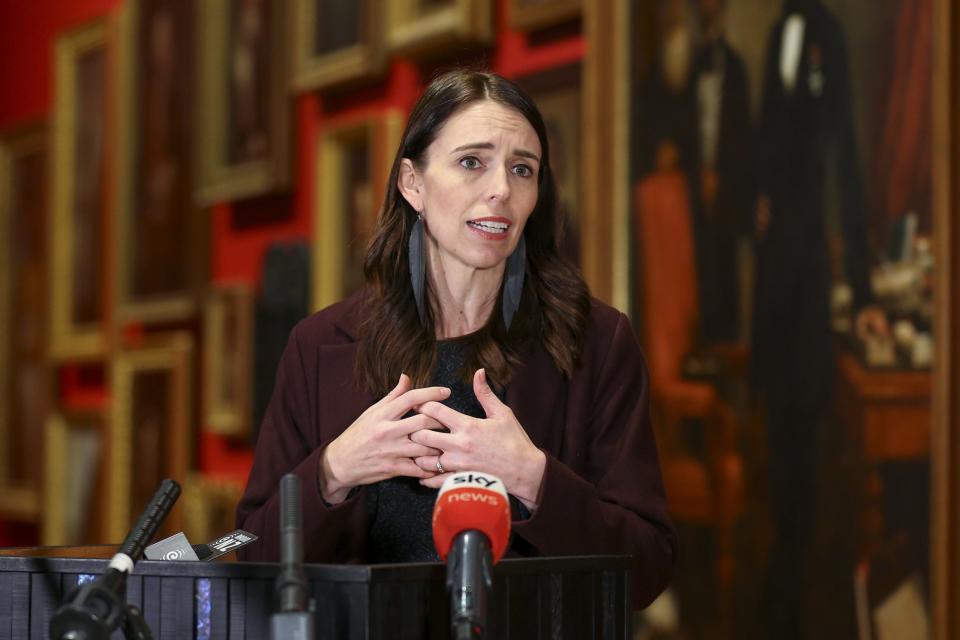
(410, 185)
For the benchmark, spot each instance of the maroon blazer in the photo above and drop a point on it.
(601, 493)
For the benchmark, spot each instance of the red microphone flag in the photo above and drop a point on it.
(471, 500)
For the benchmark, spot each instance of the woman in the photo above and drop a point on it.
(473, 347)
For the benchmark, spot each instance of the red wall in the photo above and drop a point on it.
(27, 33)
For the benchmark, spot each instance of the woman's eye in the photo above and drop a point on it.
(522, 170)
(470, 163)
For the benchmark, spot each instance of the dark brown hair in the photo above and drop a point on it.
(555, 302)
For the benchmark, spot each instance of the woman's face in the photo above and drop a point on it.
(477, 185)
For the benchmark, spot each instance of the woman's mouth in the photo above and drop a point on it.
(494, 227)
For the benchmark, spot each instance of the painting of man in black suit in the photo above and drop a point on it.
(806, 126)
(693, 115)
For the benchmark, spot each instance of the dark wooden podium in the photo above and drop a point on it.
(576, 597)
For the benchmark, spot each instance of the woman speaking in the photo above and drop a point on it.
(473, 346)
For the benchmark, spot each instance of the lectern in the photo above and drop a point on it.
(572, 597)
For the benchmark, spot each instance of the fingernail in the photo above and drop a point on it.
(446, 391)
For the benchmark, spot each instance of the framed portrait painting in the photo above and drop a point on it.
(150, 436)
(244, 112)
(160, 244)
(428, 27)
(24, 317)
(75, 505)
(557, 94)
(82, 182)
(353, 164)
(228, 360)
(335, 42)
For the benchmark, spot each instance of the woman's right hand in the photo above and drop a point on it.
(376, 446)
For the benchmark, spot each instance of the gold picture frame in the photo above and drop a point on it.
(24, 239)
(416, 28)
(243, 144)
(530, 15)
(160, 233)
(318, 64)
(74, 505)
(150, 436)
(344, 199)
(209, 506)
(228, 360)
(82, 198)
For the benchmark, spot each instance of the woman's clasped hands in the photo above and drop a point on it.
(382, 443)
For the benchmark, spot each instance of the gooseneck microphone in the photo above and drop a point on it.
(471, 527)
(294, 621)
(92, 611)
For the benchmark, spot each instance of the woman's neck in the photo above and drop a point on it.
(465, 296)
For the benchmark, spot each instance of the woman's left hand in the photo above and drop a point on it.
(497, 445)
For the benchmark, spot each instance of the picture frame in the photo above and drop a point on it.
(24, 303)
(83, 157)
(228, 360)
(150, 432)
(353, 162)
(531, 15)
(351, 50)
(160, 245)
(209, 506)
(243, 141)
(559, 97)
(74, 505)
(425, 28)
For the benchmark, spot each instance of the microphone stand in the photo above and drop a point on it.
(469, 580)
(294, 621)
(92, 611)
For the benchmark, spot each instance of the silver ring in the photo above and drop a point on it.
(439, 466)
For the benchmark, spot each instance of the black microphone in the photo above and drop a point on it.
(92, 611)
(294, 620)
(471, 528)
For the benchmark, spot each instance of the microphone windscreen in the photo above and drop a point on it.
(472, 500)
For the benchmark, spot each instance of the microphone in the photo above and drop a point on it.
(294, 620)
(92, 611)
(471, 528)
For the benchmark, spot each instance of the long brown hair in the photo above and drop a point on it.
(555, 302)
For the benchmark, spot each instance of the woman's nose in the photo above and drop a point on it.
(500, 184)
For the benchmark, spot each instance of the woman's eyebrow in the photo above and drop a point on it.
(489, 145)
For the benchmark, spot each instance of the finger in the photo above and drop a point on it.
(427, 463)
(485, 396)
(435, 439)
(407, 467)
(414, 450)
(435, 481)
(450, 418)
(417, 422)
(416, 397)
(403, 385)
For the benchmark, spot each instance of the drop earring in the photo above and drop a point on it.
(418, 265)
(513, 282)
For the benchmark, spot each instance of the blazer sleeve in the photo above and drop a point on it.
(620, 507)
(288, 442)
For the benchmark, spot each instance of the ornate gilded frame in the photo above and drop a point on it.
(945, 432)
(69, 340)
(416, 30)
(173, 354)
(319, 71)
(530, 16)
(60, 462)
(221, 415)
(22, 502)
(130, 307)
(218, 180)
(382, 136)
